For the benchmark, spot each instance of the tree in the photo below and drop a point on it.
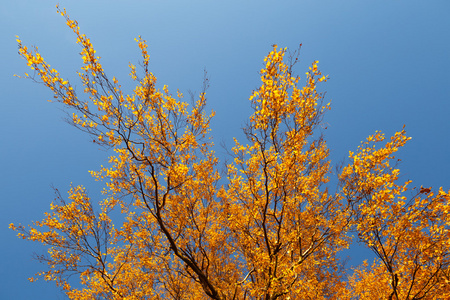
(171, 226)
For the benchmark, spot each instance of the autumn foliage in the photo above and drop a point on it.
(171, 226)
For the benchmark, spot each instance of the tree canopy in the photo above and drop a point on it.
(172, 226)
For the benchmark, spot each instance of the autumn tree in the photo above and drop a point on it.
(170, 226)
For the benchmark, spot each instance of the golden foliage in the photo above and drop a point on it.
(168, 228)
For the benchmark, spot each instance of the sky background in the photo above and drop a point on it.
(388, 64)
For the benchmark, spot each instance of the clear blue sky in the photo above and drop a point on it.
(388, 63)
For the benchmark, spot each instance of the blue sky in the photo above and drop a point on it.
(388, 64)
